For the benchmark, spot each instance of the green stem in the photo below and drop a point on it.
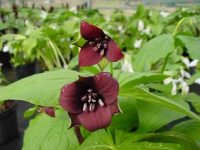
(165, 62)
(78, 134)
(111, 68)
(178, 25)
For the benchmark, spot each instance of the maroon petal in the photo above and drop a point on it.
(114, 107)
(74, 119)
(113, 53)
(106, 86)
(50, 111)
(98, 119)
(70, 97)
(90, 32)
(88, 56)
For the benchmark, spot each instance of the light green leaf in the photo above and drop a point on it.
(190, 128)
(150, 116)
(157, 48)
(47, 133)
(28, 44)
(142, 95)
(192, 44)
(40, 89)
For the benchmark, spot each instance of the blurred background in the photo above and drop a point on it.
(36, 32)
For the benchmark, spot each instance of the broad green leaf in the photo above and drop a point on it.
(195, 100)
(80, 42)
(47, 133)
(143, 78)
(11, 37)
(192, 44)
(150, 116)
(154, 50)
(98, 140)
(142, 95)
(190, 128)
(40, 89)
(127, 120)
(184, 142)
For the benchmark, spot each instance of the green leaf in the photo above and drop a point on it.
(143, 78)
(143, 95)
(80, 42)
(31, 111)
(183, 141)
(150, 116)
(192, 44)
(190, 128)
(47, 133)
(152, 51)
(195, 100)
(40, 89)
(127, 120)
(28, 45)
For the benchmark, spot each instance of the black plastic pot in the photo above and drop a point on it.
(8, 125)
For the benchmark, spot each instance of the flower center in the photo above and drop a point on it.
(100, 45)
(91, 100)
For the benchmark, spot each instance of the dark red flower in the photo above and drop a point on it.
(98, 45)
(91, 101)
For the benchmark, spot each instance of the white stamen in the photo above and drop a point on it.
(91, 107)
(89, 90)
(84, 106)
(93, 100)
(101, 102)
(84, 97)
(89, 98)
(91, 43)
(102, 52)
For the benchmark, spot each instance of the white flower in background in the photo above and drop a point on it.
(185, 74)
(140, 25)
(120, 27)
(189, 64)
(127, 65)
(7, 48)
(1, 65)
(164, 14)
(147, 30)
(73, 9)
(197, 81)
(107, 18)
(138, 43)
(177, 82)
(43, 14)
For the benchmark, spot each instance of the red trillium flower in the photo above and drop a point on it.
(48, 110)
(98, 45)
(91, 101)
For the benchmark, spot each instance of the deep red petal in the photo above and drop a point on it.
(90, 32)
(74, 119)
(106, 86)
(88, 56)
(98, 119)
(50, 111)
(114, 107)
(70, 97)
(113, 53)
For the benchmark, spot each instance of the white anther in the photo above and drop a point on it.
(93, 100)
(89, 90)
(91, 107)
(84, 97)
(101, 102)
(89, 98)
(84, 106)
(102, 52)
(91, 43)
